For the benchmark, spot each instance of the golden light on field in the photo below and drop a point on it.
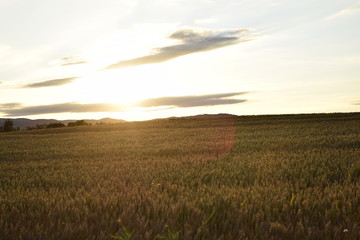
(201, 177)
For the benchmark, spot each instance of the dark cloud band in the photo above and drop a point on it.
(192, 41)
(9, 106)
(194, 101)
(61, 108)
(16, 109)
(51, 83)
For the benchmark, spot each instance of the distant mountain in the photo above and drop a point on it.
(23, 123)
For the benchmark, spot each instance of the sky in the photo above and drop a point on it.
(140, 59)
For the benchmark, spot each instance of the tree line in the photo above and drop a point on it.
(8, 125)
(59, 125)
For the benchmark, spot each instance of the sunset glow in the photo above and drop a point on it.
(289, 57)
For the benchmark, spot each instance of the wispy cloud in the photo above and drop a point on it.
(194, 101)
(60, 108)
(9, 105)
(345, 12)
(71, 60)
(51, 83)
(191, 41)
(74, 63)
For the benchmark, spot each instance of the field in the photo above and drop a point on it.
(206, 177)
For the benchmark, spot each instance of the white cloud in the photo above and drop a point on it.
(206, 21)
(4, 51)
(275, 3)
(5, 2)
(345, 12)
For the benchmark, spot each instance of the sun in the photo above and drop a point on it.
(125, 86)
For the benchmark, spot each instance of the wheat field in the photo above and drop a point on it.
(206, 177)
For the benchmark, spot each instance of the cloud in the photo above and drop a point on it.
(345, 12)
(9, 105)
(51, 83)
(16, 109)
(194, 101)
(191, 41)
(74, 63)
(61, 108)
(206, 21)
(71, 60)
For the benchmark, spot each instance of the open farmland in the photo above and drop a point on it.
(206, 177)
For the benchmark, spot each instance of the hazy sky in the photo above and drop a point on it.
(140, 59)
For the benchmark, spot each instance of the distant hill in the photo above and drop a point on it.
(23, 123)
